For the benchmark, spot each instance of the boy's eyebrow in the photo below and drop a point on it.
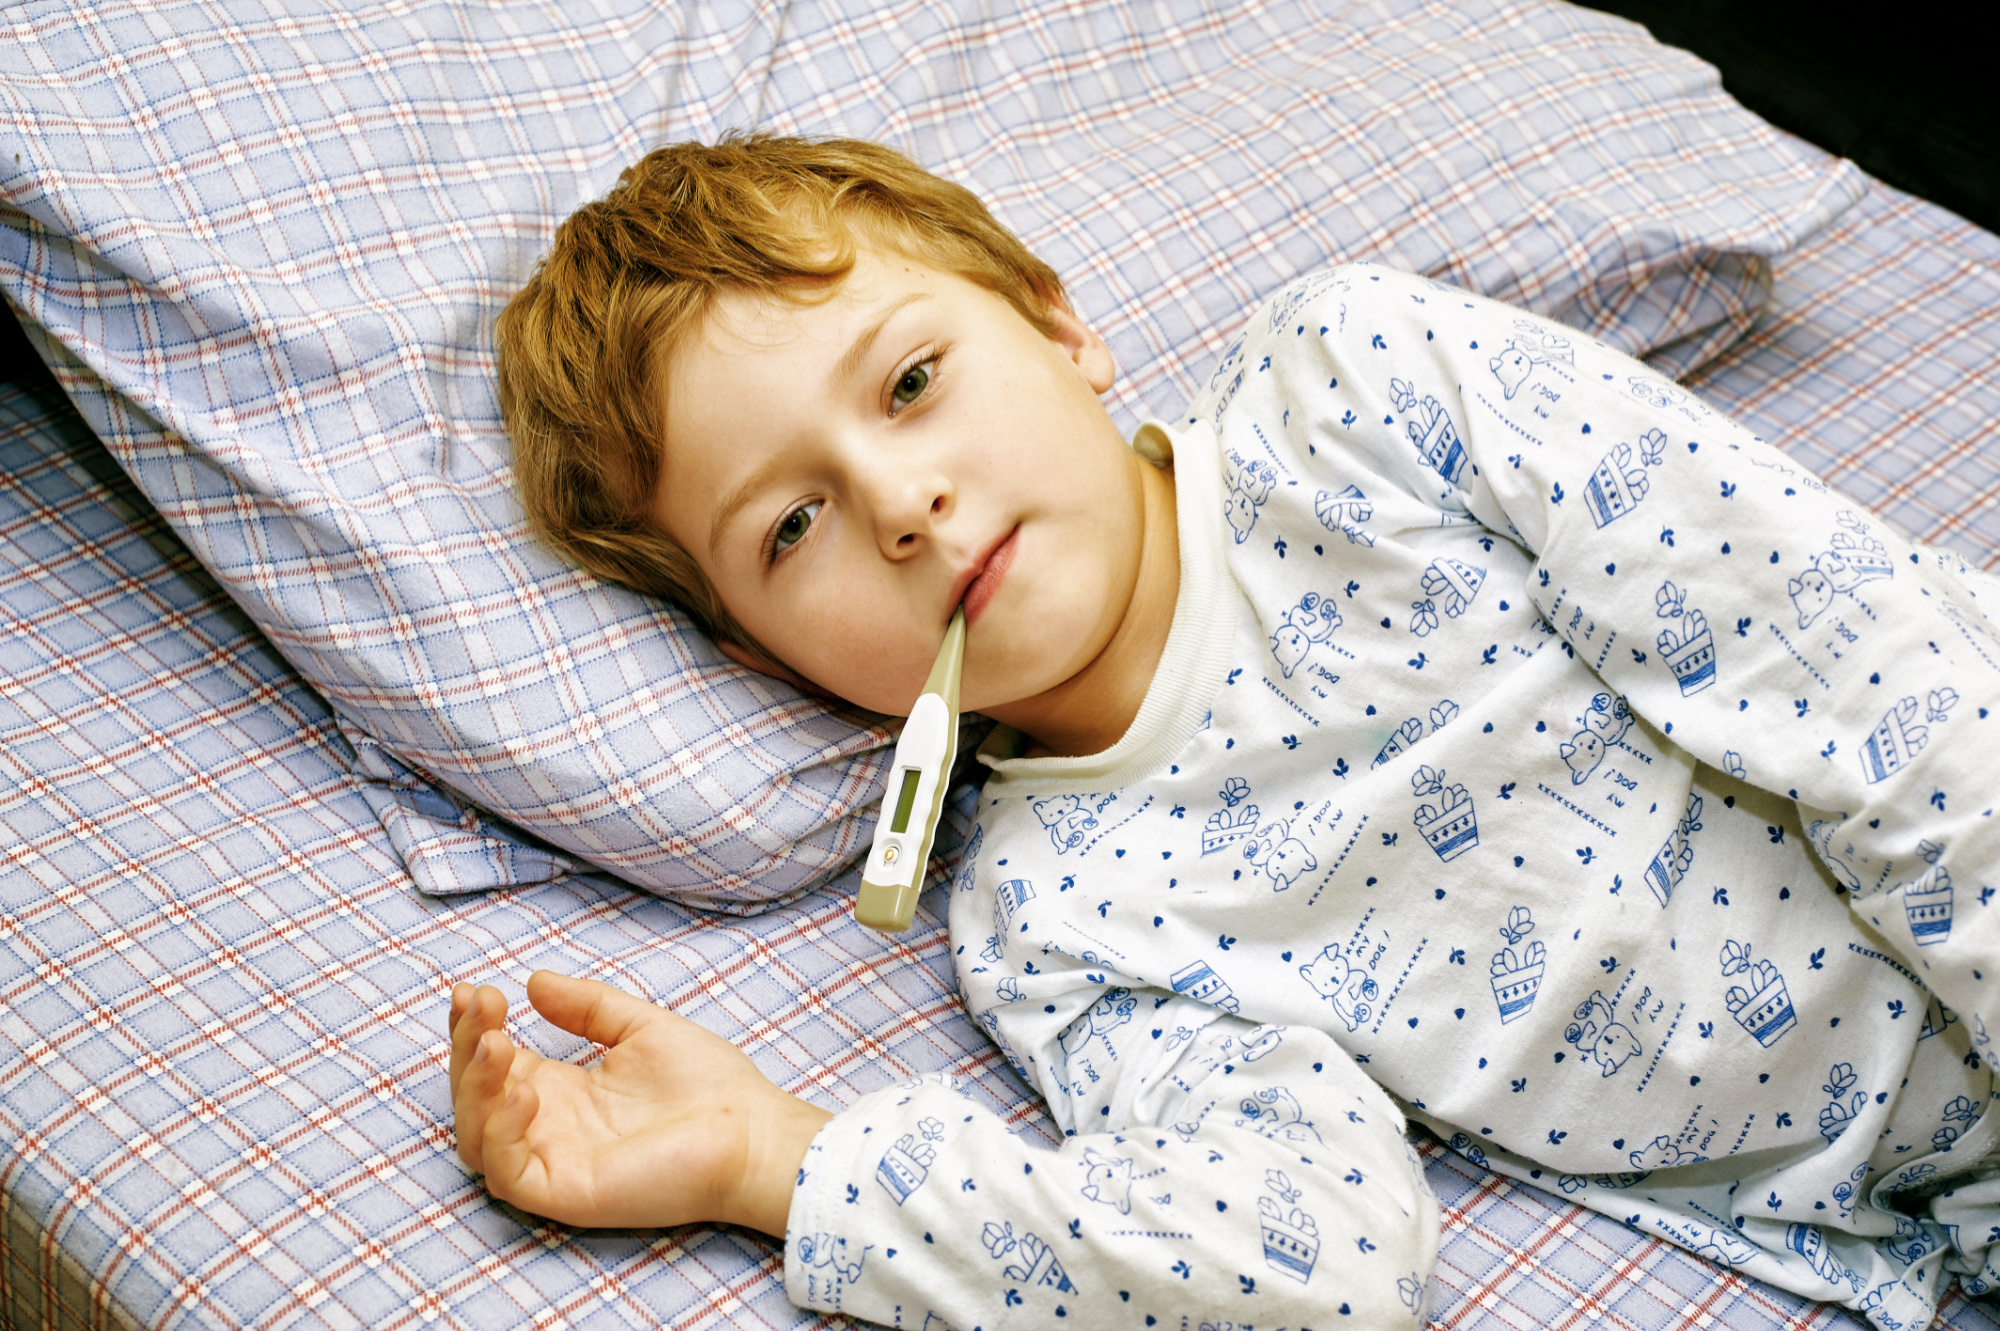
(741, 496)
(849, 363)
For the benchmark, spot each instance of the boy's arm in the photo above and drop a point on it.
(1765, 624)
(1234, 1172)
(1219, 1172)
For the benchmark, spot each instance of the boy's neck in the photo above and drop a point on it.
(1092, 709)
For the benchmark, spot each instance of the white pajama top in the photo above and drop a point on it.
(1530, 740)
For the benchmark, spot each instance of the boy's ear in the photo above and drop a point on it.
(1087, 351)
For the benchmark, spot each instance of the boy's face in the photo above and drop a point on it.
(847, 471)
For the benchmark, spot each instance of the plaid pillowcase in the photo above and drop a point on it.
(267, 240)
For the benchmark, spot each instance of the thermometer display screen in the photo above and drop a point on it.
(905, 798)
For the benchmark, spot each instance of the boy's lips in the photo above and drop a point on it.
(985, 577)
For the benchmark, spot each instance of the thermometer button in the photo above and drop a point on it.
(889, 853)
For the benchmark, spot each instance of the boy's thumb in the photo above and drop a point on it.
(588, 1008)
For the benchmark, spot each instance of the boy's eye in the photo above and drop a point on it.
(793, 529)
(911, 386)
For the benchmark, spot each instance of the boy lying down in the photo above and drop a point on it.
(1442, 704)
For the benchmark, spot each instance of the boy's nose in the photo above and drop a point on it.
(908, 508)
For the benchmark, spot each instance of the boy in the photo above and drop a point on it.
(1426, 619)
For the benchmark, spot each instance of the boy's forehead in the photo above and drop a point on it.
(746, 321)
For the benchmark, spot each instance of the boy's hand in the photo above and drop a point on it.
(674, 1126)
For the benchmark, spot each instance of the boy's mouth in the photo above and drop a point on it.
(987, 576)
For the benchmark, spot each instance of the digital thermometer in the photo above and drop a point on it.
(915, 796)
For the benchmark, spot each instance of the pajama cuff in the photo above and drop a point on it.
(834, 1229)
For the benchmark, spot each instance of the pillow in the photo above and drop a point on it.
(263, 241)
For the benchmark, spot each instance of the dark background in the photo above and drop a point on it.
(19, 364)
(1909, 91)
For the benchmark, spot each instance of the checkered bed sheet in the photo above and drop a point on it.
(222, 1089)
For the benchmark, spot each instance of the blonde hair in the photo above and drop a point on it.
(584, 346)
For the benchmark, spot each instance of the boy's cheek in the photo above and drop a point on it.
(880, 672)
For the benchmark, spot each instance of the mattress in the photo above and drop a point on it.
(222, 1068)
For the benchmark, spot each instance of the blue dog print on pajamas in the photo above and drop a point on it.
(1604, 725)
(1275, 1112)
(1068, 819)
(1350, 989)
(1599, 1035)
(1282, 856)
(1250, 484)
(1104, 1016)
(1531, 346)
(1312, 620)
(1853, 559)
(1108, 1180)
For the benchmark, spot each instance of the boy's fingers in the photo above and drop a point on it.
(509, 1162)
(485, 1010)
(461, 1003)
(520, 1067)
(481, 1087)
(595, 1011)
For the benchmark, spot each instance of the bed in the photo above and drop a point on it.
(262, 798)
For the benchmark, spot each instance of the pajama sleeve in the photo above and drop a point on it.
(1216, 1171)
(1767, 625)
